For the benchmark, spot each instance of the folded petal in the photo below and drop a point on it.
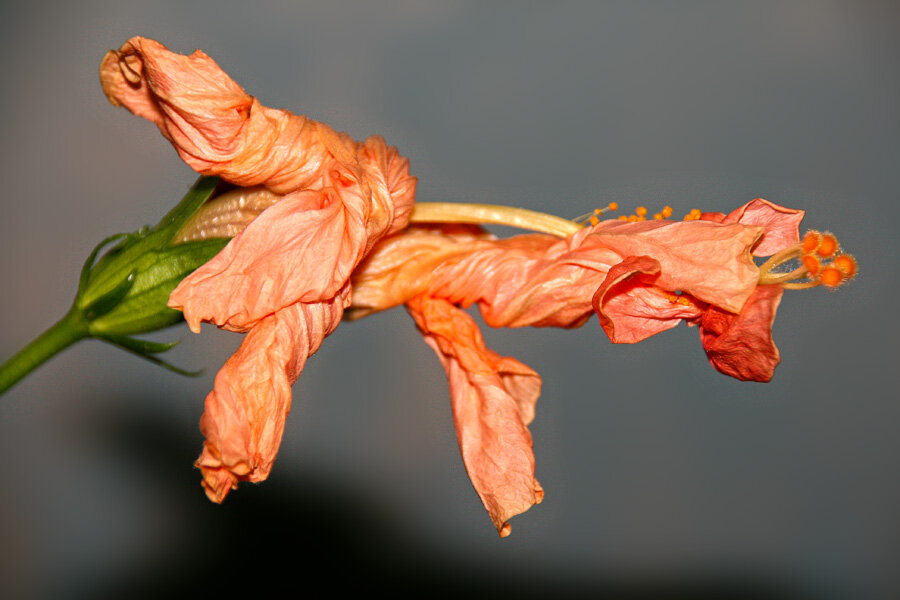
(245, 413)
(493, 400)
(632, 309)
(301, 249)
(740, 345)
(781, 226)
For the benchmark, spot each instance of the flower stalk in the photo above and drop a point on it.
(125, 292)
(62, 334)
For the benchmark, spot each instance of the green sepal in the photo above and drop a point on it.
(89, 263)
(146, 350)
(110, 299)
(145, 308)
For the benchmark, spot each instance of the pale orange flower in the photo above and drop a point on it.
(283, 279)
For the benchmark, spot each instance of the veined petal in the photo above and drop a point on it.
(245, 413)
(493, 400)
(740, 345)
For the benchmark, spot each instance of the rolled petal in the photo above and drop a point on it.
(493, 400)
(632, 309)
(216, 127)
(245, 413)
(740, 345)
(781, 226)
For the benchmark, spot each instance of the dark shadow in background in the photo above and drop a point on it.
(306, 534)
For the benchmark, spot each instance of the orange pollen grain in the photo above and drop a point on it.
(828, 246)
(640, 211)
(667, 211)
(623, 218)
(831, 276)
(613, 206)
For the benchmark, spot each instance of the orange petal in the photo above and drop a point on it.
(493, 400)
(245, 414)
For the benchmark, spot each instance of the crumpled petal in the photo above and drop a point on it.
(631, 308)
(493, 400)
(244, 416)
(741, 345)
(216, 127)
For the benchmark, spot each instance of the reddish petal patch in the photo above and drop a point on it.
(740, 345)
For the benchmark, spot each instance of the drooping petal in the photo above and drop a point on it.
(245, 413)
(493, 400)
(740, 345)
(781, 226)
(632, 309)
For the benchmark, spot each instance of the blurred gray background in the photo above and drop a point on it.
(662, 476)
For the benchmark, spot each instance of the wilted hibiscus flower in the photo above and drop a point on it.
(319, 220)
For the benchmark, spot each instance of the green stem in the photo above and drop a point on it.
(61, 335)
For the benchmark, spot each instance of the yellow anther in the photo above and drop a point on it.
(591, 217)
(633, 218)
(828, 246)
(623, 218)
(667, 212)
(694, 215)
(640, 211)
(658, 216)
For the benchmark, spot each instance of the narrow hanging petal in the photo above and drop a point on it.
(493, 400)
(740, 345)
(245, 413)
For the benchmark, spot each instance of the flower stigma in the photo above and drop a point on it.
(817, 260)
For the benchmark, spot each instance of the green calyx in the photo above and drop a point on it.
(126, 291)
